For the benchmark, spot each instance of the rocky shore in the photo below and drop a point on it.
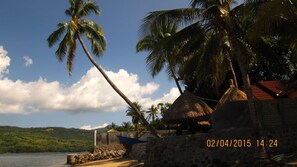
(100, 152)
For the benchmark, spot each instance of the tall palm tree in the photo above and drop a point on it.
(214, 16)
(74, 30)
(135, 118)
(158, 57)
(152, 113)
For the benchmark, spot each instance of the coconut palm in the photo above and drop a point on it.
(127, 126)
(152, 113)
(163, 107)
(274, 35)
(74, 30)
(135, 118)
(159, 56)
(212, 58)
(213, 17)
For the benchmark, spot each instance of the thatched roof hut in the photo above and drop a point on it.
(187, 107)
(231, 111)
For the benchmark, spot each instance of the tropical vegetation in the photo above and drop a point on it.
(215, 36)
(153, 116)
(50, 139)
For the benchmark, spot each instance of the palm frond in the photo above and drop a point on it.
(203, 3)
(96, 35)
(155, 62)
(56, 35)
(62, 49)
(183, 16)
(77, 6)
(190, 39)
(277, 18)
(71, 56)
(146, 44)
(87, 8)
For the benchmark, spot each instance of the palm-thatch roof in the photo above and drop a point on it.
(187, 106)
(231, 111)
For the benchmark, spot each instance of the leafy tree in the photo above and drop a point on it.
(75, 28)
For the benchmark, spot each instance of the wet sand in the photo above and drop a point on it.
(122, 162)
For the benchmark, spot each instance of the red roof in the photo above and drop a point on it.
(272, 86)
(266, 90)
(259, 94)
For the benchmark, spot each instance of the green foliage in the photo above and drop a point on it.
(24, 140)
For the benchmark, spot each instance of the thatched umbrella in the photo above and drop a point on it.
(187, 107)
(231, 111)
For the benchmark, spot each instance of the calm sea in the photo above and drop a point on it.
(34, 160)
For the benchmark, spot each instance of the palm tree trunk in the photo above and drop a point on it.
(174, 76)
(233, 73)
(115, 88)
(242, 62)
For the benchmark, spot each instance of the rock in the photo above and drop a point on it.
(71, 159)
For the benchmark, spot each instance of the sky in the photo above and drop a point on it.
(35, 88)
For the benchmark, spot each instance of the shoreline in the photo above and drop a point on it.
(115, 162)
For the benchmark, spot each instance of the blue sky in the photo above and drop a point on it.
(35, 89)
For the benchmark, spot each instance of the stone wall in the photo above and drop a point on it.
(111, 138)
(277, 113)
(100, 152)
(138, 151)
(200, 150)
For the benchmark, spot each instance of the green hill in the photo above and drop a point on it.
(51, 139)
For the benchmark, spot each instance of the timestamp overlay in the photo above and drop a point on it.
(241, 143)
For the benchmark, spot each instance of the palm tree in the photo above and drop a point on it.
(152, 113)
(127, 126)
(135, 118)
(153, 41)
(210, 58)
(163, 107)
(276, 24)
(75, 29)
(214, 17)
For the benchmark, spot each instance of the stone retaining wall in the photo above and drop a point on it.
(203, 150)
(138, 151)
(100, 152)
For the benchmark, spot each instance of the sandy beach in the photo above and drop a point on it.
(120, 162)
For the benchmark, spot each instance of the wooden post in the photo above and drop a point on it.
(107, 138)
(95, 137)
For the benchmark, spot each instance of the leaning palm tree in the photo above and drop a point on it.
(160, 56)
(74, 31)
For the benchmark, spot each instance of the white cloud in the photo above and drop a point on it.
(167, 97)
(89, 127)
(90, 94)
(28, 61)
(4, 62)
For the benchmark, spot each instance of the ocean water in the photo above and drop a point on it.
(34, 160)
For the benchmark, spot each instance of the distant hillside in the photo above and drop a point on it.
(51, 139)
